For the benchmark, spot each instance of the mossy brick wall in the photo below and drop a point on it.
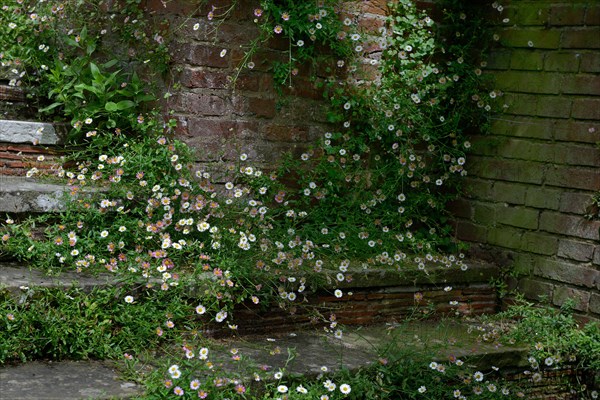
(532, 179)
(221, 122)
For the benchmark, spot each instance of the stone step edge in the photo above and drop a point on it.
(20, 194)
(65, 380)
(43, 133)
(356, 349)
(14, 275)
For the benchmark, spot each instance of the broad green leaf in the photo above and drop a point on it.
(125, 104)
(111, 106)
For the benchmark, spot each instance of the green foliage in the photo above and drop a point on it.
(54, 50)
(42, 323)
(555, 335)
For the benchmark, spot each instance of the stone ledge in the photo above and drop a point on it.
(27, 195)
(66, 380)
(14, 275)
(29, 132)
(19, 194)
(395, 299)
(358, 348)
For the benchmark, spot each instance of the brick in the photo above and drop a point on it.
(539, 243)
(499, 60)
(519, 217)
(200, 78)
(532, 14)
(537, 197)
(580, 84)
(285, 133)
(573, 177)
(460, 208)
(586, 109)
(185, 7)
(505, 237)
(576, 131)
(590, 62)
(512, 193)
(263, 58)
(507, 170)
(379, 7)
(539, 39)
(205, 56)
(528, 82)
(535, 289)
(555, 107)
(484, 214)
(250, 82)
(567, 14)
(575, 202)
(262, 107)
(581, 38)
(236, 33)
(594, 305)
(574, 250)
(201, 104)
(562, 294)
(478, 188)
(526, 150)
(592, 16)
(527, 60)
(12, 93)
(538, 128)
(562, 61)
(566, 272)
(304, 88)
(371, 23)
(485, 145)
(471, 232)
(520, 104)
(578, 155)
(569, 225)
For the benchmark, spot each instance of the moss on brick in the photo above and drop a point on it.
(539, 243)
(527, 60)
(562, 61)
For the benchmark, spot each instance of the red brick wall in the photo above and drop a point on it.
(532, 179)
(221, 122)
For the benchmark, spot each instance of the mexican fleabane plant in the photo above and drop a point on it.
(370, 194)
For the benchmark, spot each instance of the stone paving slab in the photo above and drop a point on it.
(359, 347)
(44, 133)
(20, 194)
(16, 277)
(66, 380)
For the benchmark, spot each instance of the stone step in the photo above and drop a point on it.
(371, 297)
(14, 277)
(25, 195)
(436, 340)
(19, 194)
(66, 380)
(12, 131)
(312, 350)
